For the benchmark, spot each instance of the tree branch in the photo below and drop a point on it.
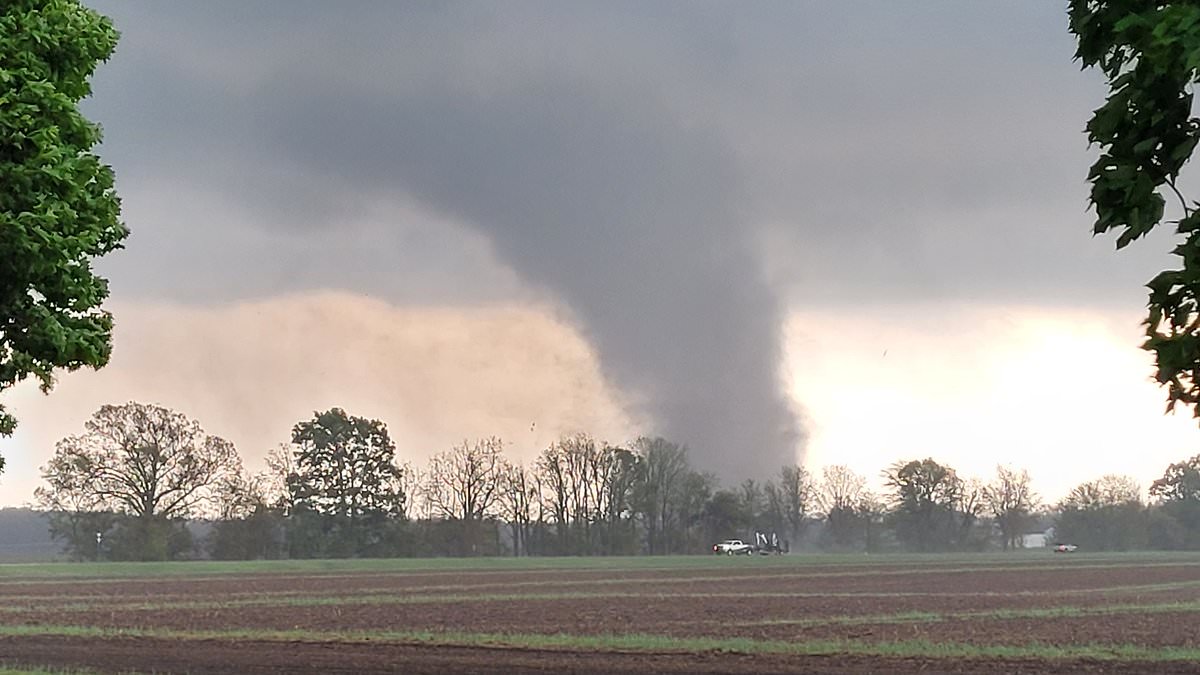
(1182, 202)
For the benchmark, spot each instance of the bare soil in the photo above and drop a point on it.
(253, 658)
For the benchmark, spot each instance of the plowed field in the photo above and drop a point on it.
(995, 614)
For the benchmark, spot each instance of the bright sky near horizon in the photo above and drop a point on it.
(845, 233)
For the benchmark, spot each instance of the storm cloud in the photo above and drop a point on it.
(634, 219)
(673, 176)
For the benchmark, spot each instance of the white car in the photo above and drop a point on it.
(733, 547)
(1065, 548)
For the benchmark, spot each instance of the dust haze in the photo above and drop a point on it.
(249, 371)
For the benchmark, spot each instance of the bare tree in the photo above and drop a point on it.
(252, 524)
(798, 492)
(871, 510)
(553, 473)
(143, 461)
(520, 493)
(664, 468)
(242, 495)
(268, 489)
(1011, 501)
(617, 472)
(463, 486)
(840, 496)
(1107, 490)
(271, 484)
(971, 502)
(762, 503)
(564, 469)
(589, 488)
(687, 507)
(464, 482)
(412, 483)
(840, 489)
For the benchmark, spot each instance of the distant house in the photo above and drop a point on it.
(1035, 539)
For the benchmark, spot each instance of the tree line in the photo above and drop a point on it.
(142, 480)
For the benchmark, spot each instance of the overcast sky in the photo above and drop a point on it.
(818, 232)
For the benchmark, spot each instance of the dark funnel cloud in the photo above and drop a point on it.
(632, 219)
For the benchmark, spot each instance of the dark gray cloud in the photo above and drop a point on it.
(675, 174)
(632, 219)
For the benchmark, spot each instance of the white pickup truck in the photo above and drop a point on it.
(733, 547)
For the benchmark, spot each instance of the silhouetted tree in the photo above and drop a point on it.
(687, 508)
(664, 467)
(84, 534)
(344, 487)
(968, 507)
(758, 505)
(520, 494)
(1177, 523)
(251, 521)
(839, 496)
(797, 499)
(1180, 482)
(588, 489)
(464, 486)
(1106, 514)
(563, 468)
(143, 461)
(871, 510)
(924, 496)
(725, 516)
(1011, 501)
(615, 474)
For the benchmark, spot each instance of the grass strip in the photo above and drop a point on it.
(419, 599)
(285, 597)
(910, 564)
(422, 599)
(382, 597)
(749, 575)
(637, 642)
(17, 669)
(1059, 612)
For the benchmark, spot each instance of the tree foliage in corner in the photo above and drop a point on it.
(1150, 53)
(58, 208)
